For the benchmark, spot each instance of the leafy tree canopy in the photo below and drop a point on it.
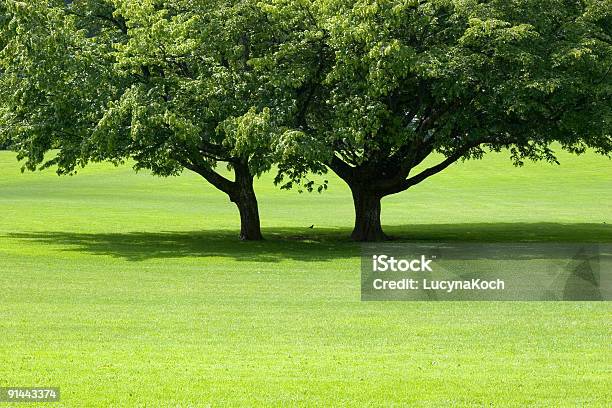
(393, 81)
(169, 84)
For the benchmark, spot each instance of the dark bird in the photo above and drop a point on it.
(312, 226)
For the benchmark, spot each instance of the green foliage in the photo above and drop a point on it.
(378, 85)
(399, 80)
(55, 83)
(167, 83)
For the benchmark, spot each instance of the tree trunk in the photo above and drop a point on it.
(367, 217)
(245, 199)
(250, 228)
(240, 192)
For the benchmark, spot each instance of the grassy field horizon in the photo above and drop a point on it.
(126, 290)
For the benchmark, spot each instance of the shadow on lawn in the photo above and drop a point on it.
(303, 244)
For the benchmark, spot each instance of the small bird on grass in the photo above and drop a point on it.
(311, 227)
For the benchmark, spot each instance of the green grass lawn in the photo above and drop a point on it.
(127, 290)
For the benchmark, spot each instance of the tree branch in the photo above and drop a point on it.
(214, 178)
(430, 171)
(343, 170)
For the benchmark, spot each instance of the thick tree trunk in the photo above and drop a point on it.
(246, 201)
(250, 228)
(367, 216)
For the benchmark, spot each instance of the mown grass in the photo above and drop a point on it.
(128, 290)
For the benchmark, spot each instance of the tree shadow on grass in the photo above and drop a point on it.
(137, 246)
(301, 244)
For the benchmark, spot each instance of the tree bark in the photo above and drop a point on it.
(245, 199)
(365, 199)
(367, 216)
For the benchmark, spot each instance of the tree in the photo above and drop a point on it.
(394, 82)
(167, 84)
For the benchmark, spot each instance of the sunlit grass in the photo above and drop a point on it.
(127, 290)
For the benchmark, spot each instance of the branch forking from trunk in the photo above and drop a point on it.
(368, 188)
(241, 192)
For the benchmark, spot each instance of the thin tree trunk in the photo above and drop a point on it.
(367, 216)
